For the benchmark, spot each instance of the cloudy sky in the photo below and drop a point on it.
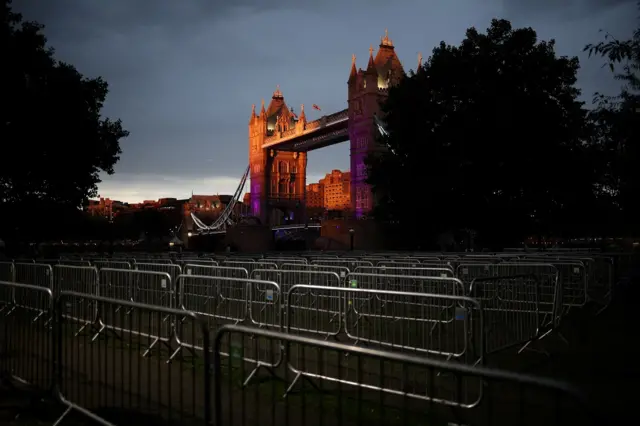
(183, 74)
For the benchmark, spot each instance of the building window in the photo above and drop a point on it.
(282, 188)
(283, 167)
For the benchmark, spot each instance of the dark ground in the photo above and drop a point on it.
(601, 359)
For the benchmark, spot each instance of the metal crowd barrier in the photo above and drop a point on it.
(350, 264)
(399, 321)
(216, 271)
(168, 268)
(223, 300)
(386, 388)
(511, 308)
(99, 378)
(251, 265)
(144, 287)
(563, 283)
(26, 341)
(414, 270)
(7, 274)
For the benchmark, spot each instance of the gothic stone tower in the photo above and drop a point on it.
(278, 178)
(367, 89)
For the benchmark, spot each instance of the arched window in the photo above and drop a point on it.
(283, 167)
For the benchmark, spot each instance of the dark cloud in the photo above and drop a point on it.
(184, 73)
(561, 9)
(74, 19)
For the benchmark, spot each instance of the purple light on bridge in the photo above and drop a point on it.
(361, 189)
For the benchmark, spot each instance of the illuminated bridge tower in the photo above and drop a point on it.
(278, 178)
(367, 89)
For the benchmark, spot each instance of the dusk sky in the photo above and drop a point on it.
(183, 74)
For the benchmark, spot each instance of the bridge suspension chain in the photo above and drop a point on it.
(225, 217)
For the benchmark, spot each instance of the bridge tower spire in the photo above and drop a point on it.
(366, 90)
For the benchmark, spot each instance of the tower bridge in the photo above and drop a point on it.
(280, 140)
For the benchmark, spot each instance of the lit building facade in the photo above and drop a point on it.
(333, 192)
(315, 196)
(105, 207)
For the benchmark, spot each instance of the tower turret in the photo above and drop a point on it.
(366, 91)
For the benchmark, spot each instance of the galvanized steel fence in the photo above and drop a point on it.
(453, 308)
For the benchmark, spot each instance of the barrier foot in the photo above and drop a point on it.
(10, 311)
(295, 380)
(254, 373)
(37, 317)
(604, 307)
(157, 340)
(529, 347)
(101, 329)
(98, 333)
(81, 329)
(147, 352)
(178, 351)
(334, 318)
(62, 416)
(556, 333)
(562, 338)
(439, 373)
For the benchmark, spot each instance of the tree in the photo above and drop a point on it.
(488, 135)
(55, 140)
(616, 120)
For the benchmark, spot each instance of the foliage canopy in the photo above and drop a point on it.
(489, 135)
(616, 122)
(55, 140)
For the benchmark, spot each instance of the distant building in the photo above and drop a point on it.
(331, 193)
(315, 196)
(203, 203)
(207, 205)
(336, 187)
(105, 207)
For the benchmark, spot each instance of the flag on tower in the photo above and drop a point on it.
(316, 107)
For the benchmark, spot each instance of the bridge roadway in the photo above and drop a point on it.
(110, 376)
(327, 130)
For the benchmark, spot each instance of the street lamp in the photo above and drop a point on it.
(189, 234)
(352, 233)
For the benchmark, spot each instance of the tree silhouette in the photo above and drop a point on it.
(616, 121)
(490, 136)
(55, 141)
